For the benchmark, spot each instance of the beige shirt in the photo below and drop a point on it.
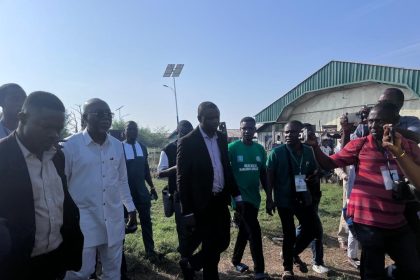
(48, 195)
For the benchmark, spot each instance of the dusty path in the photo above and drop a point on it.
(335, 259)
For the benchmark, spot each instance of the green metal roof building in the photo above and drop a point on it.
(337, 88)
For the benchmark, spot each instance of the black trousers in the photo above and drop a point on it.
(213, 228)
(46, 267)
(249, 229)
(143, 208)
(294, 245)
(188, 241)
(316, 244)
(399, 244)
(411, 214)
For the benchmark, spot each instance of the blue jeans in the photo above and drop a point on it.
(316, 244)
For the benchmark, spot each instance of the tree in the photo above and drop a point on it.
(74, 119)
(118, 124)
(156, 138)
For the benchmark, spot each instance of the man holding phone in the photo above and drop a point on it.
(377, 216)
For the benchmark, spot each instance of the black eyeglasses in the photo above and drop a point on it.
(102, 114)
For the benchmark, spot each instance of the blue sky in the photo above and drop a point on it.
(240, 54)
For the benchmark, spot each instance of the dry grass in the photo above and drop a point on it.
(166, 243)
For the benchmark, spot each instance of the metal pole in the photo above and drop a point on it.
(176, 104)
(119, 111)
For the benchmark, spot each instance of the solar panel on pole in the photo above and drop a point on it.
(177, 70)
(174, 71)
(169, 70)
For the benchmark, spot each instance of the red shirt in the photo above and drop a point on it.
(370, 203)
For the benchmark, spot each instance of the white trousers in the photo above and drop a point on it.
(352, 246)
(110, 259)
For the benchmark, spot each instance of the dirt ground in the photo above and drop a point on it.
(334, 257)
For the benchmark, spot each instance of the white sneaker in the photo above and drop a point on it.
(320, 269)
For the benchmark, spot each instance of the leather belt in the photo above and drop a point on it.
(217, 194)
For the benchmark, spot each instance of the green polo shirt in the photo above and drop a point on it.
(247, 161)
(277, 162)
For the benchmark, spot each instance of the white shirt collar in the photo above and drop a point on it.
(28, 154)
(204, 134)
(88, 139)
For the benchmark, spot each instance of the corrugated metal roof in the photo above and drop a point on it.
(234, 132)
(338, 74)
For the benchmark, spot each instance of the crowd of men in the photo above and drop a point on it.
(62, 203)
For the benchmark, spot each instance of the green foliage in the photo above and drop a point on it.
(118, 124)
(156, 138)
(65, 133)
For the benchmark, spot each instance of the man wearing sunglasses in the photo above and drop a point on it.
(97, 179)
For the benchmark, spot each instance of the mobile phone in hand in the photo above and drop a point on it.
(392, 135)
(222, 127)
(303, 135)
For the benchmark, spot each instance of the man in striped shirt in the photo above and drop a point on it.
(378, 218)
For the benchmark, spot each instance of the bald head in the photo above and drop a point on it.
(97, 116)
(92, 103)
(394, 96)
(9, 90)
(12, 97)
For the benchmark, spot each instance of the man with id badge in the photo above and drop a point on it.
(288, 166)
(376, 207)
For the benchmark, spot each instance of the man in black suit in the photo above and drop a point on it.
(35, 206)
(205, 185)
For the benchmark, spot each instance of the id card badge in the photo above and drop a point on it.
(300, 183)
(388, 181)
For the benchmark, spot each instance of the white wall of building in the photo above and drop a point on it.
(326, 108)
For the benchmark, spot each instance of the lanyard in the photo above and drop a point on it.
(388, 165)
(295, 160)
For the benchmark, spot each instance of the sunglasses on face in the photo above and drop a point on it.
(102, 114)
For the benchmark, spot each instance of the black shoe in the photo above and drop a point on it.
(300, 264)
(288, 275)
(154, 257)
(241, 267)
(261, 276)
(187, 270)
